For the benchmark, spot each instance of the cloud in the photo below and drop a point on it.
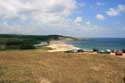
(78, 20)
(116, 11)
(88, 23)
(112, 12)
(46, 17)
(45, 11)
(36, 16)
(100, 17)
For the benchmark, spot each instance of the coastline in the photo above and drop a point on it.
(60, 46)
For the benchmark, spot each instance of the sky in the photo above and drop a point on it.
(79, 18)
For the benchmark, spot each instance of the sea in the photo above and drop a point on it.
(99, 43)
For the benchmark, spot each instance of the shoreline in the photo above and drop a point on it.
(60, 46)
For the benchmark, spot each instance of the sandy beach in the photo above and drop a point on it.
(60, 46)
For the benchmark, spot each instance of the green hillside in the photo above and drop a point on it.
(26, 41)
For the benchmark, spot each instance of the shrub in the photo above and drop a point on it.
(95, 50)
(27, 46)
(123, 50)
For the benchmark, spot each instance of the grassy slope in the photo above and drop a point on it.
(36, 66)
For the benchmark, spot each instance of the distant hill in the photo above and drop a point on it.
(40, 37)
(8, 41)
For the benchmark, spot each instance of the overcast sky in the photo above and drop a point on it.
(82, 18)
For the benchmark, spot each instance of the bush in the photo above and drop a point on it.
(123, 50)
(27, 46)
(95, 50)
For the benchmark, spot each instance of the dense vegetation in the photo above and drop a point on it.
(24, 41)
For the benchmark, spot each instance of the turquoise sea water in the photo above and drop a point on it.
(100, 43)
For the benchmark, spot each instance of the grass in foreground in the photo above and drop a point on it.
(42, 67)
